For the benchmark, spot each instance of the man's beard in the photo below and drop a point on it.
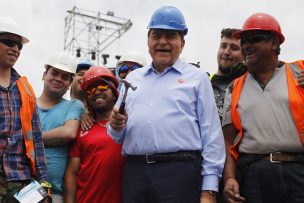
(225, 70)
(108, 106)
(104, 108)
(56, 94)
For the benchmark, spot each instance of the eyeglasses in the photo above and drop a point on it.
(11, 43)
(254, 39)
(99, 87)
(125, 68)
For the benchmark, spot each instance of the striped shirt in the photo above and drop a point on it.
(13, 160)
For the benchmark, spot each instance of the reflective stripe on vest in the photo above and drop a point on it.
(26, 115)
(295, 97)
(211, 76)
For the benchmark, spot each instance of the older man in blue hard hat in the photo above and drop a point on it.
(170, 128)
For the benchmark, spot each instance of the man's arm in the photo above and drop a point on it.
(213, 147)
(207, 197)
(70, 177)
(117, 124)
(61, 135)
(231, 186)
(301, 79)
(40, 161)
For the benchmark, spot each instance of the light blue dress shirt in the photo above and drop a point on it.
(172, 111)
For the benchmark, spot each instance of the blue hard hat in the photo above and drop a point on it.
(168, 18)
(84, 65)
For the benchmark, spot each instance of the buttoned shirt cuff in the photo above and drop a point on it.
(116, 136)
(210, 182)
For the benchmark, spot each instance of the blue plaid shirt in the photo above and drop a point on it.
(13, 160)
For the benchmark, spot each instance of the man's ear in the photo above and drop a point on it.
(275, 43)
(43, 76)
(183, 43)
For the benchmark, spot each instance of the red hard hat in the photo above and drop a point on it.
(94, 74)
(261, 21)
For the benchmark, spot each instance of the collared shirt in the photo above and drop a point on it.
(267, 122)
(13, 159)
(172, 111)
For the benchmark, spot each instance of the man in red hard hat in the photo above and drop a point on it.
(95, 168)
(263, 121)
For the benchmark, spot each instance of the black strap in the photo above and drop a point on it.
(165, 157)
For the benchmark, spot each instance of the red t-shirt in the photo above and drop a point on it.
(100, 174)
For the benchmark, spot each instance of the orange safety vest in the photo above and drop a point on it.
(295, 97)
(26, 115)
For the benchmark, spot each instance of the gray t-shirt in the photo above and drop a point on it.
(267, 122)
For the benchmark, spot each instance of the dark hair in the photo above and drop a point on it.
(228, 32)
(82, 67)
(278, 49)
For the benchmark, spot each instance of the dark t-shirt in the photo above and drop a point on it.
(219, 84)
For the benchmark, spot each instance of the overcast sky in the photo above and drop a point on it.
(43, 22)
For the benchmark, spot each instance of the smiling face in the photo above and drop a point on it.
(165, 46)
(228, 55)
(102, 99)
(75, 87)
(56, 82)
(9, 55)
(259, 49)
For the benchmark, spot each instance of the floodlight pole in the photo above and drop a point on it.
(88, 32)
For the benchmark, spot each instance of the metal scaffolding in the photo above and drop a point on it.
(87, 34)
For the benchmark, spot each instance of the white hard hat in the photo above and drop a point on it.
(63, 61)
(132, 57)
(8, 25)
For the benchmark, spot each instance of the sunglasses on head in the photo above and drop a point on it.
(125, 68)
(99, 87)
(11, 43)
(254, 39)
